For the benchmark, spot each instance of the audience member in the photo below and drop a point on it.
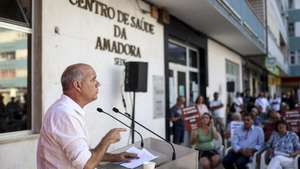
(262, 104)
(283, 146)
(247, 139)
(176, 117)
(201, 106)
(218, 114)
(203, 138)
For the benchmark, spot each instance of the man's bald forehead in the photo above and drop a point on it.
(79, 66)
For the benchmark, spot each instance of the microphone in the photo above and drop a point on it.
(142, 140)
(128, 116)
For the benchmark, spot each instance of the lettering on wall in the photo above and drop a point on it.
(119, 61)
(125, 19)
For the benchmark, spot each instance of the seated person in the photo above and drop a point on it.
(246, 140)
(283, 146)
(235, 123)
(203, 138)
(258, 121)
(270, 123)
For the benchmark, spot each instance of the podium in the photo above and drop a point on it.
(186, 158)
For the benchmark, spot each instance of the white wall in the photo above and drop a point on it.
(297, 24)
(18, 152)
(297, 29)
(297, 4)
(75, 42)
(217, 56)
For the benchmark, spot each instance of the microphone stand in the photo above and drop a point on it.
(127, 116)
(142, 140)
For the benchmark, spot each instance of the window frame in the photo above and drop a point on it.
(34, 29)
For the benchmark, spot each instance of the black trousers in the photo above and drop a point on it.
(178, 132)
(237, 159)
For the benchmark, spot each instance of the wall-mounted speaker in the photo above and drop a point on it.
(230, 86)
(136, 76)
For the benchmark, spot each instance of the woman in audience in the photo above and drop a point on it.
(203, 138)
(201, 106)
(283, 146)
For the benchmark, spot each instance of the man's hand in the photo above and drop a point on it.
(269, 152)
(294, 154)
(247, 152)
(123, 157)
(113, 135)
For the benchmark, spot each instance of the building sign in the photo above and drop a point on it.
(191, 118)
(124, 21)
(271, 65)
(273, 80)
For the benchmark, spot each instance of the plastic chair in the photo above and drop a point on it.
(296, 165)
(263, 157)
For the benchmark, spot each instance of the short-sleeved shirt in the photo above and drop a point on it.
(175, 111)
(63, 141)
(217, 112)
(287, 143)
(238, 101)
(275, 103)
(263, 103)
(202, 108)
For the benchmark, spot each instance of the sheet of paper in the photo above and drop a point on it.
(143, 155)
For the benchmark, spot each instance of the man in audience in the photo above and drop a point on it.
(218, 113)
(176, 117)
(262, 104)
(247, 139)
(238, 102)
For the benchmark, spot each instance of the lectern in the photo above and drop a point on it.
(186, 158)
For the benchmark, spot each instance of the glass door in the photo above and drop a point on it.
(183, 72)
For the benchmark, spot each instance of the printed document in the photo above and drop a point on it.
(143, 154)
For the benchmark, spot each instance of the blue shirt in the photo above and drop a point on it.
(258, 121)
(287, 143)
(176, 112)
(251, 138)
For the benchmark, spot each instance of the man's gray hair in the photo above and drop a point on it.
(71, 73)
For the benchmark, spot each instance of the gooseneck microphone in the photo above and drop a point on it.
(142, 140)
(128, 116)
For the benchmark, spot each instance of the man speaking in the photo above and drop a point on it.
(63, 142)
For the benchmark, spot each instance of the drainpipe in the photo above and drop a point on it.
(267, 41)
(266, 27)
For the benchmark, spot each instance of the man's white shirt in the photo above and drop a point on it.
(217, 112)
(263, 103)
(238, 101)
(63, 142)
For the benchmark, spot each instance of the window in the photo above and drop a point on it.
(177, 54)
(16, 11)
(292, 59)
(15, 42)
(183, 72)
(193, 58)
(291, 29)
(291, 4)
(233, 74)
